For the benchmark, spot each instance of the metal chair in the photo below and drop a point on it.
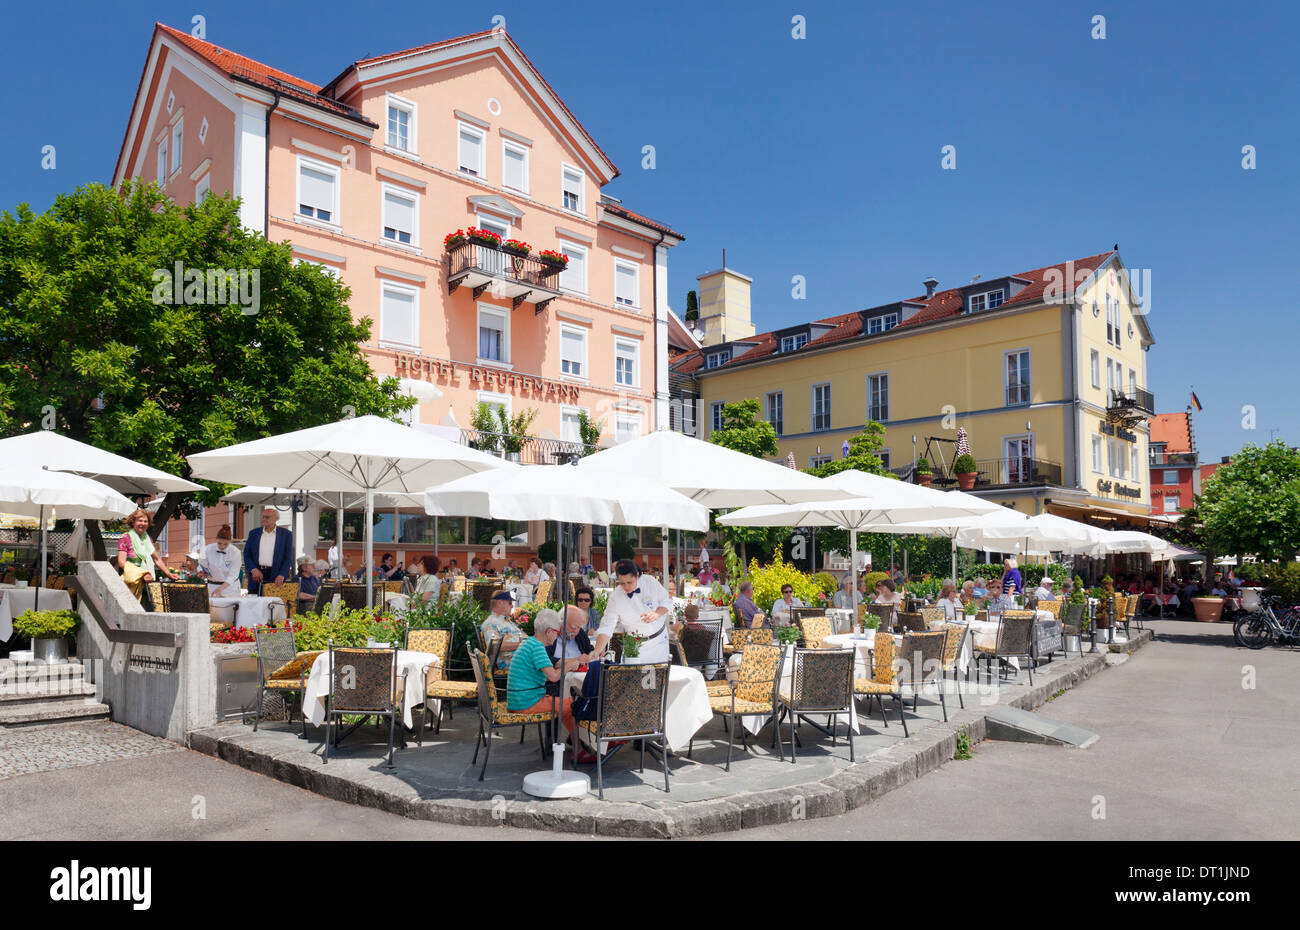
(753, 691)
(955, 639)
(701, 645)
(743, 635)
(934, 617)
(798, 613)
(885, 613)
(885, 679)
(821, 682)
(815, 629)
(923, 655)
(286, 591)
(631, 704)
(354, 596)
(154, 591)
(280, 669)
(325, 595)
(911, 622)
(437, 685)
(365, 682)
(1015, 640)
(493, 713)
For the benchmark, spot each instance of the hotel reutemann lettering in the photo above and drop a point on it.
(448, 371)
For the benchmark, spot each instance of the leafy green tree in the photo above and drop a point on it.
(692, 307)
(589, 431)
(863, 456)
(1251, 506)
(743, 431)
(99, 341)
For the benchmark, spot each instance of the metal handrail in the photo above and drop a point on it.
(116, 634)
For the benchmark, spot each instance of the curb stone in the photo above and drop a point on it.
(847, 789)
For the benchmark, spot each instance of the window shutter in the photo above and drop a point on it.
(398, 318)
(316, 189)
(625, 285)
(399, 212)
(514, 174)
(471, 152)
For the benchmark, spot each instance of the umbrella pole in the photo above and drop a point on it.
(954, 560)
(370, 547)
(338, 539)
(663, 569)
(36, 602)
(435, 536)
(609, 555)
(853, 576)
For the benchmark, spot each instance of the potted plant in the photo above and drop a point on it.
(1076, 614)
(1208, 609)
(49, 631)
(787, 635)
(453, 239)
(1106, 604)
(483, 236)
(966, 470)
(516, 247)
(923, 473)
(484, 422)
(557, 261)
(514, 431)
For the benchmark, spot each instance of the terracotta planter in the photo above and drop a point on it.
(1207, 609)
(966, 479)
(924, 480)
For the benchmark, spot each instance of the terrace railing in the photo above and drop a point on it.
(532, 450)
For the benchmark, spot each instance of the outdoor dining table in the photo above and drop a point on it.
(842, 618)
(755, 722)
(409, 663)
(688, 705)
(252, 610)
(15, 601)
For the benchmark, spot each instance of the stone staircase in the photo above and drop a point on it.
(34, 694)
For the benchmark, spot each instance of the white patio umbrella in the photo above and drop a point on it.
(879, 502)
(360, 454)
(60, 453)
(566, 494)
(31, 490)
(1038, 535)
(950, 527)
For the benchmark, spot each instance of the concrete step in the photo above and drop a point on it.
(33, 671)
(49, 712)
(31, 692)
(1020, 726)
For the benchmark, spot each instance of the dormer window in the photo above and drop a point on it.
(717, 359)
(989, 300)
(995, 298)
(882, 323)
(793, 343)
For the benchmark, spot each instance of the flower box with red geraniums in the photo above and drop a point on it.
(453, 239)
(516, 246)
(482, 236)
(558, 259)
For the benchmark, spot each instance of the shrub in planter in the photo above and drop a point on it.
(516, 246)
(966, 470)
(47, 624)
(826, 581)
(872, 579)
(482, 236)
(453, 239)
(557, 259)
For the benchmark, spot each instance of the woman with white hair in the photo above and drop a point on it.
(531, 669)
(1011, 578)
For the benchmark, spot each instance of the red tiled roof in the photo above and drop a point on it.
(620, 210)
(1171, 429)
(943, 305)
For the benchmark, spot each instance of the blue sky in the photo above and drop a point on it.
(821, 157)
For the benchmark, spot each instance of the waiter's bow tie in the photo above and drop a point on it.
(634, 591)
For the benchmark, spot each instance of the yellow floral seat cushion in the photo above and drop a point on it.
(591, 727)
(722, 705)
(718, 688)
(868, 686)
(507, 717)
(987, 650)
(284, 684)
(451, 689)
(297, 667)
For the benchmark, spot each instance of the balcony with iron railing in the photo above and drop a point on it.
(1131, 403)
(1001, 473)
(484, 267)
(531, 450)
(1172, 458)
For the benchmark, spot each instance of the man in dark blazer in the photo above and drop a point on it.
(272, 562)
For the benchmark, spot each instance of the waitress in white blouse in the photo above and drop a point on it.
(222, 562)
(641, 606)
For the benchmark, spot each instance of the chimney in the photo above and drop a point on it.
(930, 284)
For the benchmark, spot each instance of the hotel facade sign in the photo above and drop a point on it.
(486, 378)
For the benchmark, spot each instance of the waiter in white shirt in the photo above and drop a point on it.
(638, 605)
(221, 562)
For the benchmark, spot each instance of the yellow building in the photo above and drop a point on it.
(1045, 370)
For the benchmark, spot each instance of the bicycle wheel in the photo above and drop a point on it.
(1253, 631)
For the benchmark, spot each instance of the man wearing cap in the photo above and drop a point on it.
(498, 625)
(639, 606)
(1044, 590)
(308, 582)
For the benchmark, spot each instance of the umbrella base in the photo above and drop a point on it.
(557, 783)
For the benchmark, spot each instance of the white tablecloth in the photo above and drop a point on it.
(842, 617)
(688, 705)
(522, 591)
(15, 601)
(410, 663)
(251, 610)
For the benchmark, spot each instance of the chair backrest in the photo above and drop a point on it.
(954, 633)
(325, 595)
(1015, 633)
(923, 656)
(911, 621)
(436, 640)
(632, 700)
(458, 583)
(883, 651)
(275, 649)
(759, 672)
(543, 592)
(822, 679)
(1052, 607)
(701, 642)
(1132, 605)
(156, 596)
(391, 587)
(884, 612)
(354, 596)
(815, 629)
(488, 702)
(362, 680)
(185, 598)
(287, 591)
(743, 636)
(483, 592)
(934, 617)
(798, 613)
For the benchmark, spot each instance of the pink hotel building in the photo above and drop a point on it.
(367, 174)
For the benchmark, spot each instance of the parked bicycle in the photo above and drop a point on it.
(1258, 628)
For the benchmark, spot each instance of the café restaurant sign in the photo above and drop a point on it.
(484, 377)
(1120, 433)
(1119, 490)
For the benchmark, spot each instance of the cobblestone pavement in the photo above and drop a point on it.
(28, 750)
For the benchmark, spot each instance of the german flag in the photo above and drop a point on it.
(1196, 402)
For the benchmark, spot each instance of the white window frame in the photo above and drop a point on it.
(481, 172)
(870, 394)
(386, 287)
(506, 144)
(1094, 367)
(414, 197)
(567, 410)
(627, 419)
(882, 323)
(1135, 462)
(494, 219)
(178, 146)
(812, 407)
(622, 345)
(1133, 382)
(973, 307)
(566, 168)
(1000, 293)
(1117, 459)
(1028, 382)
(636, 283)
(502, 315)
(1172, 499)
(715, 415)
(581, 251)
(814, 461)
(394, 102)
(886, 457)
(779, 396)
(1006, 459)
(203, 187)
(1170, 476)
(162, 162)
(794, 343)
(324, 168)
(717, 359)
(1097, 454)
(584, 371)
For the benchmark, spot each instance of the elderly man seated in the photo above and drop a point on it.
(533, 669)
(1000, 601)
(745, 605)
(1046, 589)
(578, 647)
(498, 625)
(308, 581)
